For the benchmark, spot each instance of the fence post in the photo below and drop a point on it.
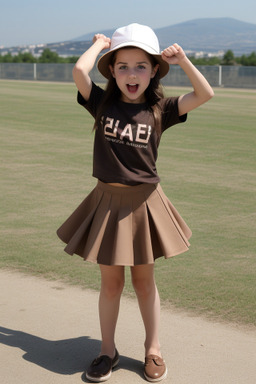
(220, 75)
(35, 74)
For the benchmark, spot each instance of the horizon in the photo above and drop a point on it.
(24, 23)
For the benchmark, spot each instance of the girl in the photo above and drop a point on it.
(127, 220)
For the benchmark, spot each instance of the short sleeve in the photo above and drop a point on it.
(170, 113)
(91, 105)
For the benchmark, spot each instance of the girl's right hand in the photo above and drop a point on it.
(106, 41)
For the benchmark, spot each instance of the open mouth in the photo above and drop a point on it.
(132, 88)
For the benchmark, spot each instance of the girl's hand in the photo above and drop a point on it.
(174, 54)
(103, 39)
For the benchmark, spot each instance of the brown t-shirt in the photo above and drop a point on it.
(126, 143)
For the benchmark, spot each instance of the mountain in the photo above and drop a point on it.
(209, 35)
(212, 35)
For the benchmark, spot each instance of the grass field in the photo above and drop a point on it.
(207, 168)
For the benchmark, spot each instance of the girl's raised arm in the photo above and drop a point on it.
(85, 64)
(202, 90)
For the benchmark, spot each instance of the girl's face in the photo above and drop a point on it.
(133, 71)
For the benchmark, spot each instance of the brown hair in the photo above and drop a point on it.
(153, 94)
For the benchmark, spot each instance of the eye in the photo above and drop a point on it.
(141, 67)
(122, 67)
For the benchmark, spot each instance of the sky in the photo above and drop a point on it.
(24, 22)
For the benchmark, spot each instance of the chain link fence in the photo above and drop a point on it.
(218, 76)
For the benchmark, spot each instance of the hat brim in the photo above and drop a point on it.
(105, 60)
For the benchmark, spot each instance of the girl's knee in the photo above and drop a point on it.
(112, 288)
(143, 286)
(112, 281)
(143, 280)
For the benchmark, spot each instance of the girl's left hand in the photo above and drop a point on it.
(173, 54)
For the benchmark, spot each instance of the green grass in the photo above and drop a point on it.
(207, 168)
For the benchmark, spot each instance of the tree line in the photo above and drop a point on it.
(228, 59)
(49, 56)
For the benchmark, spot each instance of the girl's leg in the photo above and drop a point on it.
(112, 283)
(149, 303)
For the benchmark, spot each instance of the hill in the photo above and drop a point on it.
(209, 35)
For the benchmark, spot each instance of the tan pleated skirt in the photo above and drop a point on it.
(125, 226)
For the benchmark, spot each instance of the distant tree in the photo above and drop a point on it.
(252, 58)
(228, 58)
(205, 60)
(27, 57)
(49, 56)
(24, 58)
(71, 59)
(17, 58)
(248, 60)
(214, 60)
(8, 58)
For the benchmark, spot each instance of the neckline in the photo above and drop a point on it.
(144, 104)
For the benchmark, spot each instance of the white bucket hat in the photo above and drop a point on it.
(133, 35)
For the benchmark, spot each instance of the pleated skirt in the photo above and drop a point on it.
(125, 226)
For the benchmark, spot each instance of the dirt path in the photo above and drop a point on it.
(49, 333)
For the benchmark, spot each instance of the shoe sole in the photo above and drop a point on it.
(103, 378)
(156, 380)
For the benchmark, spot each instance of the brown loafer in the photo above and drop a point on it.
(154, 368)
(101, 368)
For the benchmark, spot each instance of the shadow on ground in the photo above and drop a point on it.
(65, 357)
